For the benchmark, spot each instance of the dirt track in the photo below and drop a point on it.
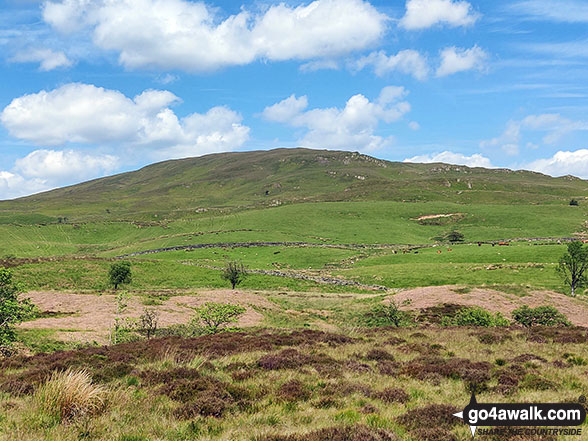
(575, 309)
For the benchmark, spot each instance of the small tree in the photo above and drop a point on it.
(12, 309)
(217, 315)
(454, 236)
(148, 323)
(234, 272)
(572, 266)
(120, 272)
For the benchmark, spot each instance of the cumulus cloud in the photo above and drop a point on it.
(475, 160)
(455, 60)
(190, 36)
(422, 14)
(43, 170)
(352, 127)
(52, 165)
(84, 113)
(553, 125)
(563, 163)
(408, 61)
(47, 58)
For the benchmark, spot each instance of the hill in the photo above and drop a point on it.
(229, 182)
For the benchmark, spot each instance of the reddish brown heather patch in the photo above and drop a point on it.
(434, 314)
(431, 423)
(541, 334)
(110, 362)
(492, 337)
(368, 408)
(293, 390)
(206, 405)
(523, 358)
(344, 388)
(344, 433)
(326, 403)
(355, 366)
(379, 354)
(508, 383)
(292, 359)
(392, 395)
(474, 373)
(391, 368)
(393, 341)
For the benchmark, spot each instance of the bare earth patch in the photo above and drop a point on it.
(437, 216)
(95, 314)
(575, 309)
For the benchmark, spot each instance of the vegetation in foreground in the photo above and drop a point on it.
(378, 384)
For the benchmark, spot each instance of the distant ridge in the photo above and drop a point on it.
(230, 182)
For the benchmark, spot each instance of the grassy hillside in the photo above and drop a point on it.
(292, 195)
(229, 182)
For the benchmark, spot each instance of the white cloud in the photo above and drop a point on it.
(43, 170)
(413, 125)
(563, 163)
(313, 66)
(422, 14)
(190, 36)
(83, 113)
(554, 125)
(567, 11)
(47, 58)
(352, 127)
(455, 60)
(13, 185)
(407, 61)
(475, 160)
(56, 166)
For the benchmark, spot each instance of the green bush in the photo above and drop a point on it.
(386, 315)
(475, 317)
(214, 316)
(12, 309)
(542, 315)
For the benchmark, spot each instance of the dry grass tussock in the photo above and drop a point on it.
(69, 395)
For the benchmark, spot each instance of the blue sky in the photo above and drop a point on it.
(95, 87)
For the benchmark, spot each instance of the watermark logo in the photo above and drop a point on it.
(524, 414)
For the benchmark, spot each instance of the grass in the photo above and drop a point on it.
(69, 395)
(388, 381)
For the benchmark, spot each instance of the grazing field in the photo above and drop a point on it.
(384, 384)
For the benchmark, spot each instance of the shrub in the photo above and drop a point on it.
(542, 315)
(386, 315)
(216, 315)
(70, 394)
(12, 309)
(148, 323)
(475, 316)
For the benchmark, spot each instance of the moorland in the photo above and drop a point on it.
(329, 241)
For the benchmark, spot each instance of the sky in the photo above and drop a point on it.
(96, 87)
